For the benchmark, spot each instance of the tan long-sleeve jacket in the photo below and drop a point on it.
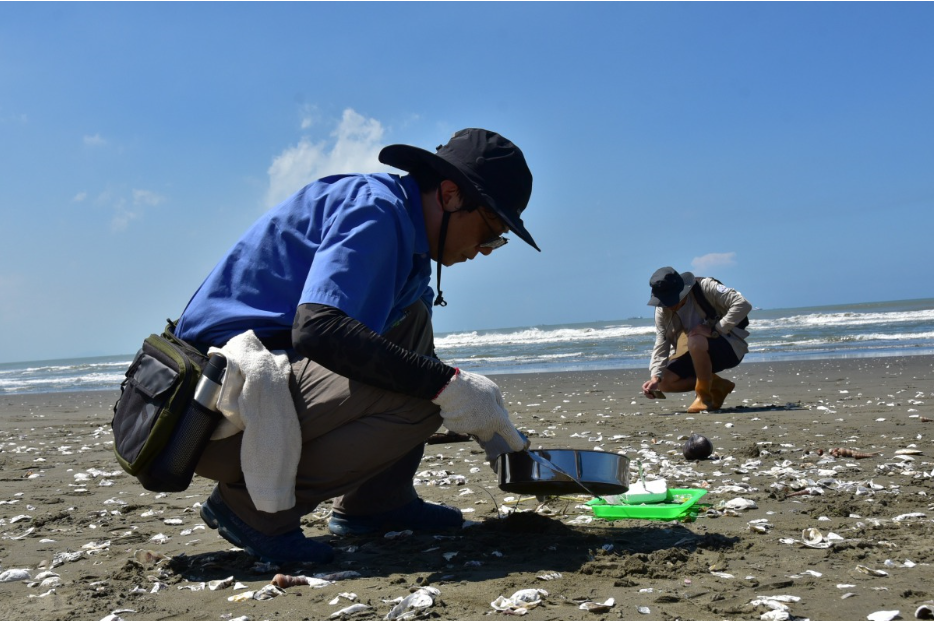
(728, 303)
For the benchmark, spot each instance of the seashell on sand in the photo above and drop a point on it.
(414, 604)
(523, 599)
(14, 575)
(350, 610)
(871, 572)
(598, 607)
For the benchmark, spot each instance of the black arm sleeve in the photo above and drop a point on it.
(348, 347)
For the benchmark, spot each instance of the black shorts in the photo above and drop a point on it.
(719, 351)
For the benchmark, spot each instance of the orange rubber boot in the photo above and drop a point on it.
(703, 400)
(721, 388)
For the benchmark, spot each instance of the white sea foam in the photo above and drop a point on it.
(530, 336)
(845, 330)
(843, 319)
(61, 383)
(533, 336)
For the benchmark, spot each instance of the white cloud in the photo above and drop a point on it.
(714, 259)
(124, 214)
(126, 211)
(308, 116)
(94, 141)
(353, 148)
(79, 197)
(147, 197)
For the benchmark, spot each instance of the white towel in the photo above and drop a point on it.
(255, 398)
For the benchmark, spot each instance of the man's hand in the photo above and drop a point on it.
(649, 386)
(473, 404)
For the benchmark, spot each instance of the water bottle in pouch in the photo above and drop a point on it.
(175, 466)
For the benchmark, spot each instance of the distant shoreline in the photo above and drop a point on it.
(92, 394)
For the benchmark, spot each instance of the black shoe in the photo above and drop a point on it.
(291, 547)
(417, 515)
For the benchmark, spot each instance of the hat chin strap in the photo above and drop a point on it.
(443, 229)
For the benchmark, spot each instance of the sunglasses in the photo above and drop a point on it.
(497, 242)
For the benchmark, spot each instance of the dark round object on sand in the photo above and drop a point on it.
(697, 447)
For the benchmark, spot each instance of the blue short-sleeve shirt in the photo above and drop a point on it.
(355, 242)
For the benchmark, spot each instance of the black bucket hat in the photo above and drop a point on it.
(487, 167)
(668, 287)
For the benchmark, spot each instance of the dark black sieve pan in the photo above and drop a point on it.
(565, 471)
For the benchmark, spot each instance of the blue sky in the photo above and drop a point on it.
(785, 148)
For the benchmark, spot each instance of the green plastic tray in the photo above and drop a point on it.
(678, 503)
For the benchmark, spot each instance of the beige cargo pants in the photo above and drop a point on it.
(361, 445)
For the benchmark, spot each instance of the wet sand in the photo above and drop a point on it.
(66, 507)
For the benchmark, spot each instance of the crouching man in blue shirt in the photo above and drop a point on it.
(339, 276)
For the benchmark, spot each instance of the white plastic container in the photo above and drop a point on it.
(645, 492)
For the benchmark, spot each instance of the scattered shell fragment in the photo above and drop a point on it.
(14, 575)
(884, 615)
(267, 592)
(215, 585)
(413, 604)
(65, 557)
(871, 572)
(348, 596)
(196, 586)
(812, 538)
(598, 607)
(524, 599)
(350, 610)
(924, 612)
(554, 575)
(50, 582)
(148, 557)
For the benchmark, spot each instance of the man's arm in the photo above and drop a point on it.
(661, 347)
(346, 346)
(725, 299)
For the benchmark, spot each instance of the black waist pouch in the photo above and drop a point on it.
(160, 431)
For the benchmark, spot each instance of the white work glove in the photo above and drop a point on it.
(473, 404)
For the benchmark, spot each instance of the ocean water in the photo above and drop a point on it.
(853, 330)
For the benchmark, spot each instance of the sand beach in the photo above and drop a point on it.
(785, 525)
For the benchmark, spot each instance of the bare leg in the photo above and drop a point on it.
(701, 362)
(670, 382)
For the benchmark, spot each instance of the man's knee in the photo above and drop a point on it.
(698, 345)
